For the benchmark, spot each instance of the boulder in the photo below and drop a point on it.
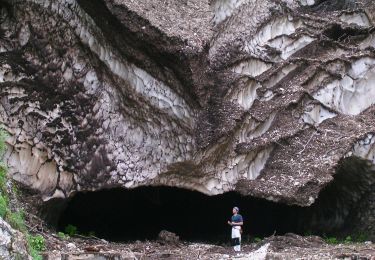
(167, 237)
(13, 244)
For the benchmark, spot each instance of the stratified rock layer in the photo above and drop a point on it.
(262, 97)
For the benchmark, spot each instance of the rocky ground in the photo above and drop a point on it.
(289, 246)
(169, 246)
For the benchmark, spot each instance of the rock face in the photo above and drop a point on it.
(12, 243)
(262, 97)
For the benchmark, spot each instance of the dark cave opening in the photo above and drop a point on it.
(123, 215)
(141, 213)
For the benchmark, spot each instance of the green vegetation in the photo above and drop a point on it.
(4, 200)
(3, 169)
(5, 211)
(62, 236)
(3, 206)
(16, 219)
(70, 230)
(37, 242)
(361, 237)
(348, 240)
(356, 238)
(36, 245)
(257, 239)
(2, 176)
(35, 254)
(331, 240)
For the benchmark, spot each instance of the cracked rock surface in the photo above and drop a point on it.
(262, 97)
(13, 243)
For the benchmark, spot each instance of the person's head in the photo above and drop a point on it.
(235, 210)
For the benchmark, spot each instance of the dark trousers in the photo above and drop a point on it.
(235, 241)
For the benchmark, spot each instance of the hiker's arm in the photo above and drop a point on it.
(235, 223)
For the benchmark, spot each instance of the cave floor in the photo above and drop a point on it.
(289, 246)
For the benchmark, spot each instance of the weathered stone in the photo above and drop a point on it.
(13, 243)
(262, 97)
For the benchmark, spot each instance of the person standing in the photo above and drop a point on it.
(236, 222)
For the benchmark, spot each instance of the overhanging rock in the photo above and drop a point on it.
(261, 97)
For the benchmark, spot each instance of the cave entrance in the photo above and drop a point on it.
(141, 213)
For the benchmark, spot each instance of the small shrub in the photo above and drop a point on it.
(70, 230)
(348, 240)
(15, 190)
(16, 220)
(331, 240)
(362, 237)
(62, 235)
(3, 178)
(3, 168)
(35, 254)
(257, 239)
(3, 206)
(37, 243)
